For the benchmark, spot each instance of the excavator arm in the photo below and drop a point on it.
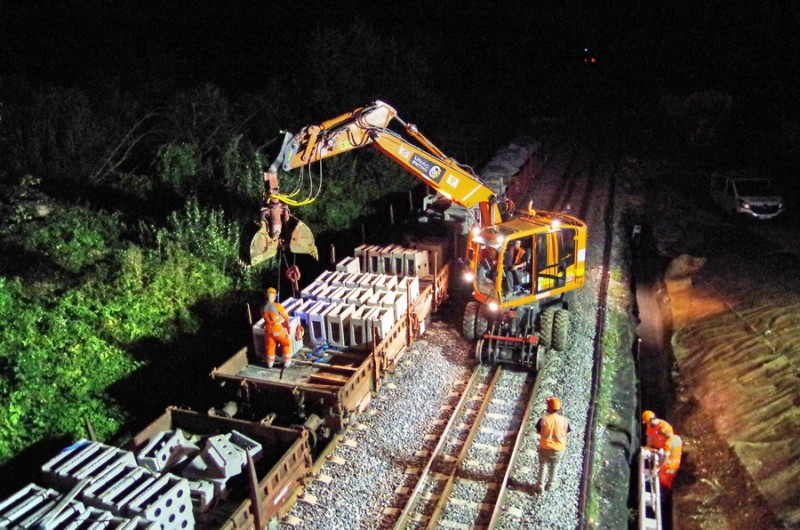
(361, 127)
(369, 126)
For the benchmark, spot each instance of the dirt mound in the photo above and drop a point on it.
(739, 358)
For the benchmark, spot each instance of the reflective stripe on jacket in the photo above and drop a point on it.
(673, 447)
(274, 316)
(553, 429)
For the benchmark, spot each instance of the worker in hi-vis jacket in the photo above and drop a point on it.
(276, 329)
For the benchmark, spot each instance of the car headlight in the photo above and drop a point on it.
(744, 204)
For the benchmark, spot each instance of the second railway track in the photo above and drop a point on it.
(462, 483)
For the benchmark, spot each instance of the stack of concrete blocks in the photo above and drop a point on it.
(81, 460)
(300, 312)
(366, 321)
(361, 254)
(165, 499)
(387, 260)
(316, 322)
(410, 286)
(32, 507)
(397, 301)
(337, 321)
(349, 265)
(165, 450)
(398, 261)
(27, 507)
(223, 456)
(131, 490)
(375, 260)
(367, 292)
(415, 263)
(113, 480)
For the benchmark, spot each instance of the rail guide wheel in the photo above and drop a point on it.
(479, 352)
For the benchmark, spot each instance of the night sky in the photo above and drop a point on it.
(486, 55)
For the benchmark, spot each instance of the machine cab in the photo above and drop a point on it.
(522, 266)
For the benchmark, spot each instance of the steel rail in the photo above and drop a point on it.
(473, 431)
(498, 508)
(411, 502)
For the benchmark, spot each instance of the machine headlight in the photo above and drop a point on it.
(469, 276)
(493, 306)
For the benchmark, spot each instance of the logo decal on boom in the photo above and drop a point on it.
(428, 169)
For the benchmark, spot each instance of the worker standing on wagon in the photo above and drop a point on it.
(552, 429)
(653, 425)
(669, 456)
(276, 329)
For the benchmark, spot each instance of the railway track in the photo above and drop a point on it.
(464, 480)
(488, 482)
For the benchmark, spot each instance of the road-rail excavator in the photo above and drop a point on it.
(522, 264)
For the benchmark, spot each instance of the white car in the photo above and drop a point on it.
(741, 193)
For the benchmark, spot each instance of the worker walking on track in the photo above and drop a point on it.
(669, 456)
(653, 424)
(552, 429)
(276, 329)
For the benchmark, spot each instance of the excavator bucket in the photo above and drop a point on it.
(296, 232)
(262, 246)
(301, 240)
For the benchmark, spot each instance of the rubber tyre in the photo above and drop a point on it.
(546, 326)
(560, 330)
(482, 322)
(469, 319)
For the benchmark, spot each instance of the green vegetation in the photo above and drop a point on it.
(64, 342)
(612, 407)
(123, 211)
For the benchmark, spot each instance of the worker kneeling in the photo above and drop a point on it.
(276, 329)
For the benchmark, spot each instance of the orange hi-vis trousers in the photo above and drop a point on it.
(275, 337)
(669, 470)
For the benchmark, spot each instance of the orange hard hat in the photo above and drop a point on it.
(665, 428)
(553, 403)
(272, 290)
(648, 415)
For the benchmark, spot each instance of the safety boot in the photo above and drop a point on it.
(270, 364)
(288, 363)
